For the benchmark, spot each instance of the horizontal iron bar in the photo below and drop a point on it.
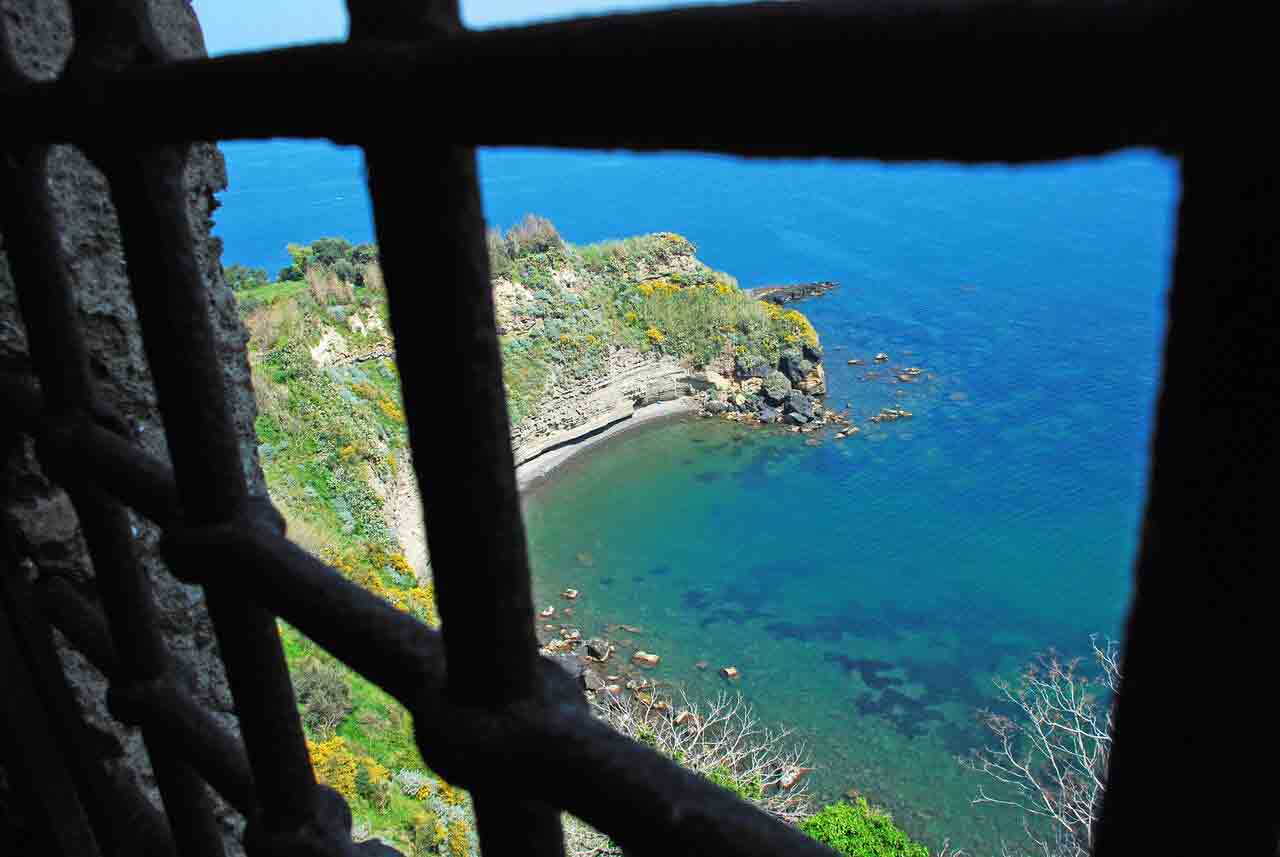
(406, 658)
(886, 79)
(548, 744)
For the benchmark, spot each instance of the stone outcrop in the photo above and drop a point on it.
(788, 392)
(781, 295)
(576, 408)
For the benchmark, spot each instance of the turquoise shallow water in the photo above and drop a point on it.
(868, 589)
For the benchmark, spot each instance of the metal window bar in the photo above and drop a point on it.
(1108, 76)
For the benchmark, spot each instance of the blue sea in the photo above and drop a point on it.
(869, 590)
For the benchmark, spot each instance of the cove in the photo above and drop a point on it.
(870, 589)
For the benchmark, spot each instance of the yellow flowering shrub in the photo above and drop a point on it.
(631, 317)
(458, 843)
(655, 335)
(377, 773)
(664, 287)
(390, 410)
(451, 794)
(347, 451)
(801, 326)
(335, 765)
(365, 390)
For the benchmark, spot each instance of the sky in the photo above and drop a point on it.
(245, 25)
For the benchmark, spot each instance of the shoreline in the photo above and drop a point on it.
(531, 473)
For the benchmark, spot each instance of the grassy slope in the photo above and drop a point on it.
(333, 439)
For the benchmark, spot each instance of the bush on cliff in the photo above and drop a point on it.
(858, 830)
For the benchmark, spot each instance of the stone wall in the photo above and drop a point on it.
(45, 527)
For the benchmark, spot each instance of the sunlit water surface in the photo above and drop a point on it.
(869, 589)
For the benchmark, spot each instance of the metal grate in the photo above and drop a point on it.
(489, 714)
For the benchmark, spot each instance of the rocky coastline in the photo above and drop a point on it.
(789, 391)
(781, 295)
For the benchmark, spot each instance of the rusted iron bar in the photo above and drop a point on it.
(61, 359)
(1206, 572)
(147, 188)
(816, 84)
(123, 820)
(547, 743)
(163, 707)
(426, 200)
(48, 795)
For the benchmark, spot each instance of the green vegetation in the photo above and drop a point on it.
(859, 830)
(239, 277)
(332, 444)
(650, 293)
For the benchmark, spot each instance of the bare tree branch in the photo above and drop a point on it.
(722, 740)
(1050, 761)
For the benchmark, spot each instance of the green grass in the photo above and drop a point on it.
(270, 293)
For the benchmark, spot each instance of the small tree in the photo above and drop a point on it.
(330, 251)
(241, 277)
(1050, 759)
(500, 264)
(533, 234)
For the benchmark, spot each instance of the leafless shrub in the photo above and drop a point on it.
(323, 695)
(1051, 760)
(372, 274)
(533, 234)
(267, 323)
(723, 741)
(326, 287)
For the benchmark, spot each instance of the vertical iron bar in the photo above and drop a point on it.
(123, 820)
(173, 309)
(426, 204)
(61, 358)
(1201, 631)
(26, 745)
(147, 187)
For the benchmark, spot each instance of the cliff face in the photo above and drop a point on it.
(589, 334)
(38, 513)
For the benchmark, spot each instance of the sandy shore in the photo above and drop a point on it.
(535, 469)
(403, 506)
